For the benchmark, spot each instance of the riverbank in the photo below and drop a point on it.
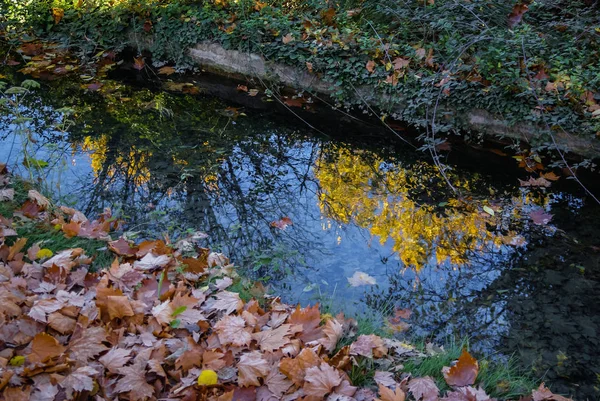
(445, 67)
(162, 318)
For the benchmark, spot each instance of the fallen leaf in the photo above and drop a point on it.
(139, 63)
(287, 39)
(57, 14)
(385, 379)
(423, 388)
(7, 194)
(370, 346)
(310, 319)
(166, 70)
(544, 394)
(400, 63)
(252, 367)
(515, 17)
(295, 368)
(464, 372)
(232, 330)
(385, 394)
(360, 278)
(320, 380)
(535, 182)
(134, 382)
(79, 380)
(44, 347)
(228, 302)
(61, 323)
(333, 331)
(118, 307)
(152, 262)
(115, 359)
(38, 198)
(371, 66)
(282, 223)
(272, 340)
(540, 217)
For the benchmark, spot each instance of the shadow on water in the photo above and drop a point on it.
(485, 263)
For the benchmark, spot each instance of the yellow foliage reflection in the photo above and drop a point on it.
(132, 163)
(360, 188)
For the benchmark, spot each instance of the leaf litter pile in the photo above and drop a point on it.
(161, 324)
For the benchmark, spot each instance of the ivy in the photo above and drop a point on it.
(478, 62)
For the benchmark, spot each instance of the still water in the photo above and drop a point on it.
(514, 268)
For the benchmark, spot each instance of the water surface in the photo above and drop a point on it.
(477, 261)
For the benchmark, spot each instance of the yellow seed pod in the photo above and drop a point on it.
(17, 360)
(207, 378)
(44, 253)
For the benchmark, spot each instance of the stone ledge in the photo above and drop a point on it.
(233, 63)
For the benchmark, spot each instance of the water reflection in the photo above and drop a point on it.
(168, 163)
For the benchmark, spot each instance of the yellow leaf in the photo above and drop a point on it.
(489, 210)
(17, 360)
(44, 253)
(207, 378)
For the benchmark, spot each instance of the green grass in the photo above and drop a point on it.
(21, 189)
(502, 380)
(46, 235)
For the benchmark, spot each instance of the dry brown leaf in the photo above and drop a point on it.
(287, 38)
(118, 307)
(464, 372)
(134, 382)
(44, 347)
(544, 394)
(295, 368)
(232, 330)
(423, 388)
(333, 331)
(166, 70)
(277, 383)
(370, 66)
(385, 394)
(79, 380)
(38, 198)
(321, 380)
(252, 367)
(228, 302)
(370, 346)
(115, 359)
(88, 344)
(61, 323)
(7, 194)
(272, 340)
(385, 379)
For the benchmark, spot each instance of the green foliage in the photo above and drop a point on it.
(478, 61)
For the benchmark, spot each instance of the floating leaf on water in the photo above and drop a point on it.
(361, 278)
(489, 210)
(540, 217)
(282, 223)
